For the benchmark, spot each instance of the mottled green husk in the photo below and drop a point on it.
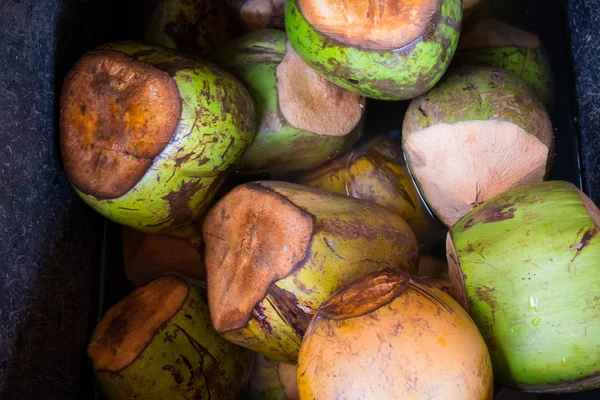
(476, 93)
(216, 126)
(529, 260)
(531, 65)
(278, 146)
(388, 75)
(191, 26)
(264, 381)
(351, 238)
(186, 359)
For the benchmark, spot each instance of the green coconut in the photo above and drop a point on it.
(378, 49)
(158, 343)
(191, 26)
(303, 119)
(147, 136)
(478, 133)
(271, 380)
(525, 264)
(259, 14)
(493, 43)
(274, 251)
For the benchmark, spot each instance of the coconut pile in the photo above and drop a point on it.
(278, 250)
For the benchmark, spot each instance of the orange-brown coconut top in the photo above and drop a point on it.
(117, 115)
(374, 24)
(132, 323)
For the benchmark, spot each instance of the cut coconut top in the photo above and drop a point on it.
(373, 25)
(117, 115)
(132, 323)
(254, 237)
(311, 103)
(460, 165)
(259, 14)
(489, 33)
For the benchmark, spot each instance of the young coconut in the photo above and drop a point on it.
(390, 335)
(526, 266)
(303, 120)
(259, 14)
(191, 26)
(147, 136)
(271, 380)
(383, 49)
(158, 343)
(493, 43)
(480, 132)
(275, 251)
(147, 257)
(375, 172)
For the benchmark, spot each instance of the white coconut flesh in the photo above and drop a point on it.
(311, 103)
(460, 165)
(491, 33)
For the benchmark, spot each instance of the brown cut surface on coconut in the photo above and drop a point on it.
(309, 102)
(132, 323)
(489, 33)
(253, 237)
(373, 24)
(117, 115)
(461, 165)
(458, 290)
(287, 378)
(260, 14)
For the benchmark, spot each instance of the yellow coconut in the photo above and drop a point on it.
(390, 335)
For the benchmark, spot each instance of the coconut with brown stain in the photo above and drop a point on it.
(147, 135)
(390, 335)
(158, 343)
(525, 265)
(495, 44)
(303, 119)
(275, 251)
(377, 173)
(478, 133)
